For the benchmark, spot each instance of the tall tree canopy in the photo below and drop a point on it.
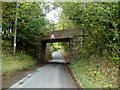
(101, 20)
(31, 23)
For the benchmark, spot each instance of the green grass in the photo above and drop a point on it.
(20, 61)
(96, 73)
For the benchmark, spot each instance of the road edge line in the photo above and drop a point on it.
(77, 82)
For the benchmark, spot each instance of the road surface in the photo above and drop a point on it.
(58, 57)
(52, 75)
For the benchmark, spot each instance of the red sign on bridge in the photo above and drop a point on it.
(52, 36)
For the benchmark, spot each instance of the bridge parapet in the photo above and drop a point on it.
(69, 33)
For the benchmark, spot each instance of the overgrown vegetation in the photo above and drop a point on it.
(31, 25)
(98, 62)
(100, 21)
(13, 63)
(96, 72)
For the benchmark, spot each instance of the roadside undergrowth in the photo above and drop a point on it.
(20, 61)
(96, 72)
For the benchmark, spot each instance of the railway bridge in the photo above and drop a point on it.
(72, 36)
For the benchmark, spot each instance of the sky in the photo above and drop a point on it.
(54, 15)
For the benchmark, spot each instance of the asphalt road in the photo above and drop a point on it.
(52, 75)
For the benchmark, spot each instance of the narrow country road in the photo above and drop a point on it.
(52, 75)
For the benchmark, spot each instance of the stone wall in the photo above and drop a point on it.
(74, 44)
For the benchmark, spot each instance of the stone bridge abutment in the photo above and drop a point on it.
(73, 37)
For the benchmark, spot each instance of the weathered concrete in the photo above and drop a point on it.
(63, 34)
(74, 44)
(47, 52)
(73, 36)
(56, 40)
(42, 50)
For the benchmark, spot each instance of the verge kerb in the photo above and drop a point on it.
(79, 85)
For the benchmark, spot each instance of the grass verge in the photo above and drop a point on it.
(20, 61)
(95, 72)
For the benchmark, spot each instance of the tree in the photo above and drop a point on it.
(100, 20)
(31, 24)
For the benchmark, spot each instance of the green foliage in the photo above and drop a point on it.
(100, 20)
(31, 24)
(65, 46)
(98, 63)
(96, 72)
(20, 61)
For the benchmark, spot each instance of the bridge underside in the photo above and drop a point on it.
(56, 40)
(73, 37)
(44, 49)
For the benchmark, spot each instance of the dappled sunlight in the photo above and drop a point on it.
(57, 57)
(71, 39)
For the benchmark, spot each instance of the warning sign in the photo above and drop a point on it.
(52, 36)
